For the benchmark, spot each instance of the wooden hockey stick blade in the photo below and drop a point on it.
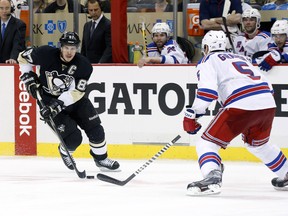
(62, 143)
(226, 8)
(259, 54)
(143, 29)
(228, 34)
(111, 180)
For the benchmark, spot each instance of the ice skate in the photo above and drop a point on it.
(280, 184)
(106, 165)
(66, 160)
(209, 185)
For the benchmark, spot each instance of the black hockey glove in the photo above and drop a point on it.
(31, 82)
(55, 107)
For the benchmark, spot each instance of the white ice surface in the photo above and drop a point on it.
(31, 186)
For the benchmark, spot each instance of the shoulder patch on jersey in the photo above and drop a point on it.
(27, 55)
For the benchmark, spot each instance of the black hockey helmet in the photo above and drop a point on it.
(70, 38)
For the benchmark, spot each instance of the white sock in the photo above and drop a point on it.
(63, 151)
(208, 157)
(272, 157)
(99, 148)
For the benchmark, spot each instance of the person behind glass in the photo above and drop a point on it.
(278, 50)
(163, 49)
(245, 6)
(210, 15)
(96, 42)
(13, 33)
(276, 5)
(252, 40)
(106, 6)
(163, 6)
(62, 6)
(39, 6)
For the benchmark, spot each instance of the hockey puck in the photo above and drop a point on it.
(90, 177)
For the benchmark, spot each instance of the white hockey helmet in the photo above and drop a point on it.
(215, 40)
(161, 28)
(280, 27)
(250, 13)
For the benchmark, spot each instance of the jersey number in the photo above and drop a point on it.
(81, 86)
(240, 67)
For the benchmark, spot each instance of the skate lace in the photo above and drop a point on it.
(106, 162)
(67, 160)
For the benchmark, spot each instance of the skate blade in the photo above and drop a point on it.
(281, 188)
(104, 169)
(196, 191)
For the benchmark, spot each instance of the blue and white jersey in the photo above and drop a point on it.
(276, 53)
(171, 53)
(273, 6)
(233, 81)
(246, 46)
(284, 49)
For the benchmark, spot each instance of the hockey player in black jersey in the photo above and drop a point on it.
(62, 82)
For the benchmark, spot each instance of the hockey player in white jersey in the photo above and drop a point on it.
(248, 108)
(252, 40)
(163, 49)
(278, 49)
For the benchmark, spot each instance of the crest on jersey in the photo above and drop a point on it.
(61, 128)
(56, 84)
(62, 25)
(27, 55)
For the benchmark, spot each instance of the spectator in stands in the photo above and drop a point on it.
(143, 5)
(13, 33)
(39, 6)
(163, 6)
(96, 42)
(163, 49)
(211, 14)
(276, 5)
(180, 4)
(278, 51)
(62, 6)
(252, 40)
(245, 5)
(106, 6)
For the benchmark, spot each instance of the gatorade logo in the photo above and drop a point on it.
(195, 20)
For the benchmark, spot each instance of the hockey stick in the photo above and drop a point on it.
(226, 9)
(111, 180)
(143, 29)
(62, 143)
(259, 54)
